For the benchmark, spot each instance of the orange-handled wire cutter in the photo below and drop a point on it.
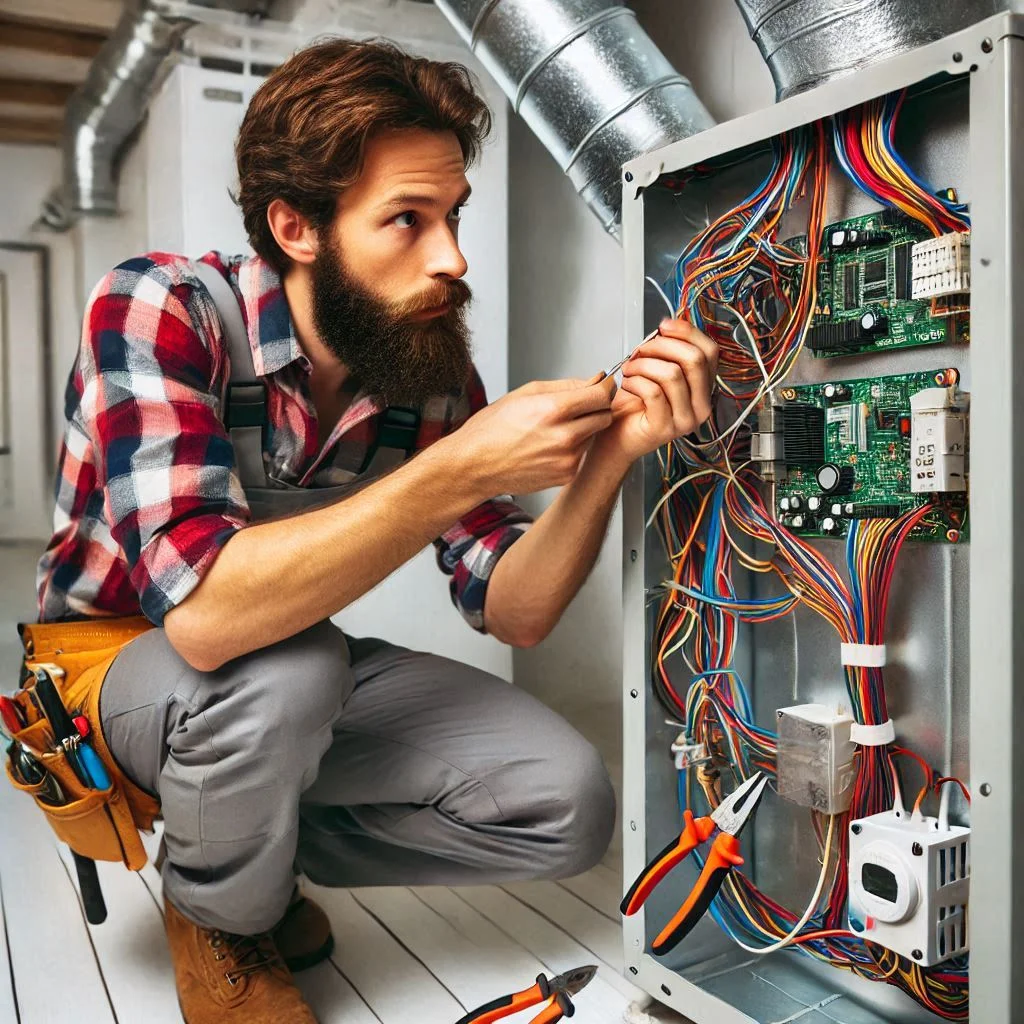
(557, 991)
(730, 818)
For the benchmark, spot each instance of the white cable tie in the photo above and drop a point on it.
(873, 735)
(863, 655)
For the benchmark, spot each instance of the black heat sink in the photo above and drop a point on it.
(803, 434)
(904, 271)
(844, 334)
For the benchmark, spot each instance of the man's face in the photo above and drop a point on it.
(388, 295)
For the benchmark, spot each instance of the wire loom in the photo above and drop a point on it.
(756, 297)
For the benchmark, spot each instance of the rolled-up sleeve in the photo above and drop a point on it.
(150, 406)
(470, 550)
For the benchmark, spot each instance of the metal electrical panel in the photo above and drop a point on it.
(955, 676)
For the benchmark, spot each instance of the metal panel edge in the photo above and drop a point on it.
(875, 80)
(997, 472)
(652, 976)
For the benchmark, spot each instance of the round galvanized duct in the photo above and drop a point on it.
(807, 42)
(110, 103)
(589, 82)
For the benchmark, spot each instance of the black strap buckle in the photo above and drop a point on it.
(246, 405)
(399, 428)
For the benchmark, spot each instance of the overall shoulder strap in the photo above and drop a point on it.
(245, 405)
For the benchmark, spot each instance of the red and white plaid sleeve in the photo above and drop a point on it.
(470, 550)
(149, 412)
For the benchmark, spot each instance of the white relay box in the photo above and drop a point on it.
(815, 757)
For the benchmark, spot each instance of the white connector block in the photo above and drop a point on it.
(909, 882)
(941, 266)
(815, 757)
(687, 754)
(938, 440)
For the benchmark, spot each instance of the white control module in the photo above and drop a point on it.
(938, 440)
(909, 881)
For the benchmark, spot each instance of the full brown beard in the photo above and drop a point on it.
(390, 355)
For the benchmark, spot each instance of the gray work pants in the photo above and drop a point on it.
(353, 762)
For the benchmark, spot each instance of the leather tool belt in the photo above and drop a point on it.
(96, 823)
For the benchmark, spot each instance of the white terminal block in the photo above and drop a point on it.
(938, 440)
(909, 882)
(687, 754)
(815, 757)
(941, 266)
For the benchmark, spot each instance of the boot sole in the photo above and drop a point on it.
(303, 963)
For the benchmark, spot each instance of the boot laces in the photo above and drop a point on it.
(248, 953)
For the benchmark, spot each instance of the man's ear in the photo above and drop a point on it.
(292, 232)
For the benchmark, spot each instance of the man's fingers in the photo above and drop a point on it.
(541, 387)
(586, 399)
(672, 380)
(584, 427)
(656, 404)
(683, 330)
(689, 362)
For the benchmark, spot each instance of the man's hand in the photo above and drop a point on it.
(534, 437)
(666, 392)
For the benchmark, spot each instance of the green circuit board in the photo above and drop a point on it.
(866, 278)
(867, 425)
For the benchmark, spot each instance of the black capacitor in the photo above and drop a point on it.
(833, 479)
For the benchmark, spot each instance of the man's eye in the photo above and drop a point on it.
(456, 214)
(406, 220)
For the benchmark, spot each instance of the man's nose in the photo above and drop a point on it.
(445, 258)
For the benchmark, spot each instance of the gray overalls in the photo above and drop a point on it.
(351, 761)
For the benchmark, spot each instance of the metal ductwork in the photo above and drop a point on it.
(108, 107)
(807, 42)
(588, 80)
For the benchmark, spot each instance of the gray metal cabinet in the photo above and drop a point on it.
(956, 678)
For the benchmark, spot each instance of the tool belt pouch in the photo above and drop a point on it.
(102, 824)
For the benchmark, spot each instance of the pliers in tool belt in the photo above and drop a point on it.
(730, 817)
(556, 991)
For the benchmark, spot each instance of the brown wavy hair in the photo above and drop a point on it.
(304, 135)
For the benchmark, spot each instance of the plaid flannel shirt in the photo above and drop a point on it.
(147, 491)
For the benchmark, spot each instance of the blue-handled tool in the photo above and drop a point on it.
(80, 755)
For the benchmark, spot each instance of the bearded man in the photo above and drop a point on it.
(253, 443)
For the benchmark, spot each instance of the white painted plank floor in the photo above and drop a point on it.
(403, 955)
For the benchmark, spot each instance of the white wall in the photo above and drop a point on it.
(566, 315)
(27, 173)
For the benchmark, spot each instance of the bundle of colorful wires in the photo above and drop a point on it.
(864, 139)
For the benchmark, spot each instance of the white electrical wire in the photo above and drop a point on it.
(661, 291)
(812, 906)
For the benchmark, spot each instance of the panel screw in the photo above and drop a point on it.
(629, 174)
(632, 825)
(634, 694)
(985, 789)
(986, 46)
(855, 829)
(633, 555)
(917, 850)
(916, 954)
(957, 57)
(636, 942)
(985, 261)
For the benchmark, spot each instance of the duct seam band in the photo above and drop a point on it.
(612, 115)
(580, 30)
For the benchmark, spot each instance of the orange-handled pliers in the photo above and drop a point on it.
(730, 817)
(557, 991)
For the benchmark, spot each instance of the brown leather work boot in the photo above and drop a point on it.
(303, 936)
(231, 979)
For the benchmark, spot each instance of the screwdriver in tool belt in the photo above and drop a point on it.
(90, 767)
